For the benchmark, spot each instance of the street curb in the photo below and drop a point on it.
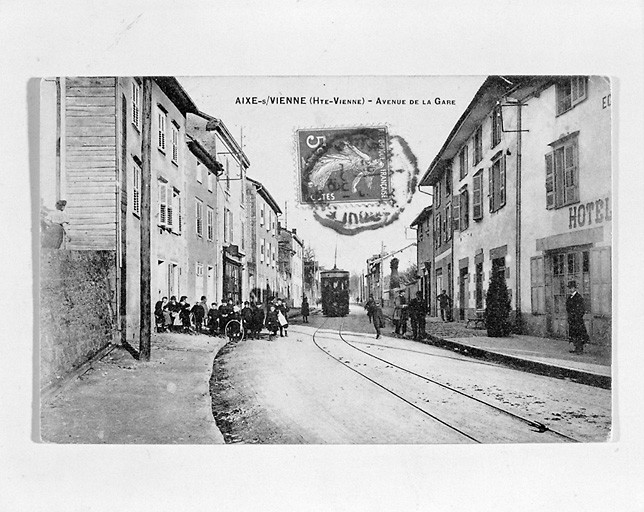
(536, 367)
(539, 368)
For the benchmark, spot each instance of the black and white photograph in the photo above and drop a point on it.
(326, 259)
(322, 256)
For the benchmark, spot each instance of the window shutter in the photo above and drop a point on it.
(456, 213)
(465, 210)
(170, 206)
(550, 182)
(537, 282)
(136, 200)
(559, 177)
(570, 173)
(180, 214)
(501, 183)
(600, 279)
(163, 194)
(477, 199)
(490, 190)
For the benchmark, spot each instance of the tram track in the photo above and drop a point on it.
(535, 426)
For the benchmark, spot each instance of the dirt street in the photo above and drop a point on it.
(292, 390)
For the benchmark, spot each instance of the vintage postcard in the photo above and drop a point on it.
(326, 260)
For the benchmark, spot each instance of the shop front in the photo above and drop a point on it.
(232, 278)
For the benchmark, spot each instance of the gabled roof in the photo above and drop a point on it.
(491, 91)
(218, 126)
(177, 94)
(261, 190)
(425, 213)
(204, 156)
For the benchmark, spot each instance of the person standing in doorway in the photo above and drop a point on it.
(445, 303)
(400, 313)
(575, 309)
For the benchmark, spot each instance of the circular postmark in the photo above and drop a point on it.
(355, 179)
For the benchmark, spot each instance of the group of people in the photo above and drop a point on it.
(415, 311)
(182, 317)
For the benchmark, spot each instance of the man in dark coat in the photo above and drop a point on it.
(417, 312)
(575, 309)
(369, 307)
(445, 302)
(213, 319)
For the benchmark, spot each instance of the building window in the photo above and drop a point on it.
(175, 143)
(562, 174)
(199, 216)
(478, 145)
(477, 195)
(571, 91)
(437, 231)
(261, 250)
(199, 172)
(261, 215)
(270, 220)
(497, 126)
(462, 162)
(136, 105)
(419, 233)
(243, 236)
(447, 223)
(136, 190)
(210, 181)
(464, 210)
(210, 216)
(162, 116)
(199, 269)
(497, 184)
(227, 176)
(163, 204)
(437, 193)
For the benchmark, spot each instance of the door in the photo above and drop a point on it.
(479, 285)
(463, 292)
(571, 265)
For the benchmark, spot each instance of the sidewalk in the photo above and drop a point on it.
(544, 356)
(125, 401)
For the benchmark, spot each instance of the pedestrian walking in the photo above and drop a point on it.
(400, 313)
(377, 317)
(369, 307)
(305, 310)
(575, 309)
(445, 302)
(417, 312)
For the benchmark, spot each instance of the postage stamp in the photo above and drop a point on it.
(354, 179)
(346, 165)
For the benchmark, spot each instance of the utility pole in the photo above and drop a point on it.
(145, 306)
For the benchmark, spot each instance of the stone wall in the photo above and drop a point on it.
(77, 309)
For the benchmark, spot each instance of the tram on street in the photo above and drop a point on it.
(335, 292)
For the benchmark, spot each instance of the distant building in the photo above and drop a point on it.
(263, 262)
(423, 224)
(231, 216)
(201, 223)
(291, 252)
